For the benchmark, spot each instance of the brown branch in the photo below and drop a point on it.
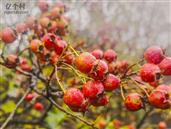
(15, 109)
(73, 115)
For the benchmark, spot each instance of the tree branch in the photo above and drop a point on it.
(15, 109)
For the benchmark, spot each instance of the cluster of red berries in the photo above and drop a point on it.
(52, 22)
(37, 105)
(94, 65)
(13, 61)
(102, 69)
(157, 65)
(49, 49)
(150, 73)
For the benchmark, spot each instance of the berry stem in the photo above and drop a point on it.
(140, 87)
(57, 78)
(76, 53)
(122, 92)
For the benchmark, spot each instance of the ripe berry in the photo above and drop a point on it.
(112, 67)
(60, 46)
(100, 101)
(84, 62)
(50, 41)
(38, 30)
(82, 108)
(101, 124)
(43, 5)
(162, 125)
(122, 66)
(154, 84)
(92, 89)
(44, 21)
(52, 27)
(165, 66)
(73, 97)
(154, 55)
(150, 72)
(158, 98)
(133, 102)
(69, 58)
(110, 55)
(35, 45)
(55, 13)
(116, 123)
(111, 82)
(38, 106)
(21, 28)
(24, 65)
(29, 97)
(100, 68)
(53, 57)
(97, 53)
(30, 22)
(8, 35)
(166, 89)
(12, 61)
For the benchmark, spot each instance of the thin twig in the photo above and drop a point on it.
(146, 114)
(122, 92)
(15, 109)
(140, 87)
(57, 78)
(73, 115)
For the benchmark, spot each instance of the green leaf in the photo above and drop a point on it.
(55, 118)
(8, 106)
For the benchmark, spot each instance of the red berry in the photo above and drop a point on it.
(166, 89)
(60, 46)
(43, 5)
(92, 89)
(100, 68)
(38, 106)
(154, 55)
(150, 72)
(100, 101)
(44, 21)
(97, 53)
(54, 57)
(8, 35)
(110, 55)
(52, 27)
(84, 62)
(133, 102)
(112, 67)
(162, 125)
(154, 84)
(111, 82)
(122, 66)
(35, 45)
(12, 61)
(158, 98)
(81, 108)
(74, 97)
(29, 97)
(38, 30)
(69, 58)
(30, 22)
(21, 27)
(165, 66)
(55, 12)
(50, 41)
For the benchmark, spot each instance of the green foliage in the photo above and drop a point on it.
(55, 118)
